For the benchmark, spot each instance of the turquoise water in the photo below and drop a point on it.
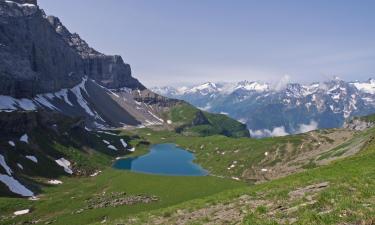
(163, 159)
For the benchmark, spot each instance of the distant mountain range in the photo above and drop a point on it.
(276, 110)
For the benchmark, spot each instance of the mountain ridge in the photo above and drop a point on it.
(265, 107)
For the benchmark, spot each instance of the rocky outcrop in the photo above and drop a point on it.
(358, 124)
(38, 54)
(152, 98)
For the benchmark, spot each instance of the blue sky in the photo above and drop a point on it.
(181, 42)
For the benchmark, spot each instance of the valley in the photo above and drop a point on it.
(82, 141)
(196, 198)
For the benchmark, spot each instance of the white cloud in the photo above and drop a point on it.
(279, 131)
(282, 83)
(276, 132)
(303, 128)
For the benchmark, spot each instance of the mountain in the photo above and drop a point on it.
(69, 114)
(59, 98)
(272, 110)
(43, 66)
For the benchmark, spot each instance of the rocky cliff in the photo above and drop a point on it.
(38, 54)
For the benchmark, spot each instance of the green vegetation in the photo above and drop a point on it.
(62, 202)
(369, 118)
(347, 198)
(191, 121)
(217, 153)
(88, 152)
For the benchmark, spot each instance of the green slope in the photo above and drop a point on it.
(348, 198)
(61, 203)
(189, 120)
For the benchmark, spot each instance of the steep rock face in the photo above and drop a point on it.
(32, 57)
(38, 54)
(109, 71)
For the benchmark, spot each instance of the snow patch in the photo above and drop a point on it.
(112, 147)
(96, 173)
(11, 143)
(15, 186)
(20, 166)
(7, 103)
(65, 164)
(24, 138)
(26, 104)
(21, 212)
(123, 143)
(32, 158)
(106, 132)
(55, 182)
(7, 169)
(43, 101)
(63, 94)
(81, 101)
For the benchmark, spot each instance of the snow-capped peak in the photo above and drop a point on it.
(207, 87)
(366, 87)
(252, 86)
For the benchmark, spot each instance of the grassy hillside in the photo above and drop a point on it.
(72, 201)
(247, 158)
(63, 204)
(339, 193)
(191, 121)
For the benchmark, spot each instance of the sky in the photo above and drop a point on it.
(175, 42)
